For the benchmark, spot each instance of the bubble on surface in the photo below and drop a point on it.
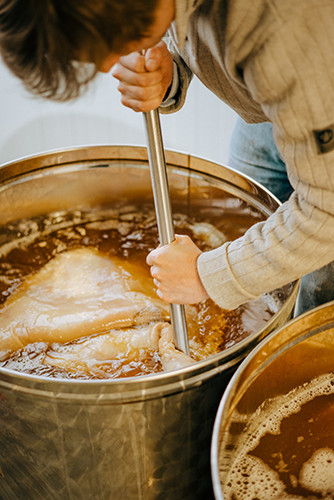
(274, 303)
(317, 474)
(253, 479)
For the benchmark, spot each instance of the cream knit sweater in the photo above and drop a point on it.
(270, 60)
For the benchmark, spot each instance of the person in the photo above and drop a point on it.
(270, 60)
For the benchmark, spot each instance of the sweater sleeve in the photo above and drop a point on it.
(288, 66)
(185, 74)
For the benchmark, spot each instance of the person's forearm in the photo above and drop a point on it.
(294, 241)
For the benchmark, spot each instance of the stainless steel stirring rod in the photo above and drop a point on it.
(163, 211)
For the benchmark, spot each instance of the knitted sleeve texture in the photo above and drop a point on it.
(283, 52)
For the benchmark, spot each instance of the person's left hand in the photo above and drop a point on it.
(174, 272)
(144, 79)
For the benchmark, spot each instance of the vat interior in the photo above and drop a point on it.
(95, 185)
(87, 185)
(291, 357)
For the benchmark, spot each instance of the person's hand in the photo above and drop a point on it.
(174, 272)
(144, 80)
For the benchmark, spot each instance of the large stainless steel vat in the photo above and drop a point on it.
(142, 438)
(288, 358)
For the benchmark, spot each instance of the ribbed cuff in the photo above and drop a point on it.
(169, 97)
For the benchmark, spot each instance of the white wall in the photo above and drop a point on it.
(31, 125)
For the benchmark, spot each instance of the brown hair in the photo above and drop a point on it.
(41, 41)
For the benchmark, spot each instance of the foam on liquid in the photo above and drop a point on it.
(287, 449)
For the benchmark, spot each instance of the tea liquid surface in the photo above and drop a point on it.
(130, 233)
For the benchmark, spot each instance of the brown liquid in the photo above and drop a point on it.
(129, 233)
(291, 450)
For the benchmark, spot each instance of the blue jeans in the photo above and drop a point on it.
(254, 153)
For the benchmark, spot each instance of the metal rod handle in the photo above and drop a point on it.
(163, 209)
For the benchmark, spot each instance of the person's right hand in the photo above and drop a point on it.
(144, 80)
